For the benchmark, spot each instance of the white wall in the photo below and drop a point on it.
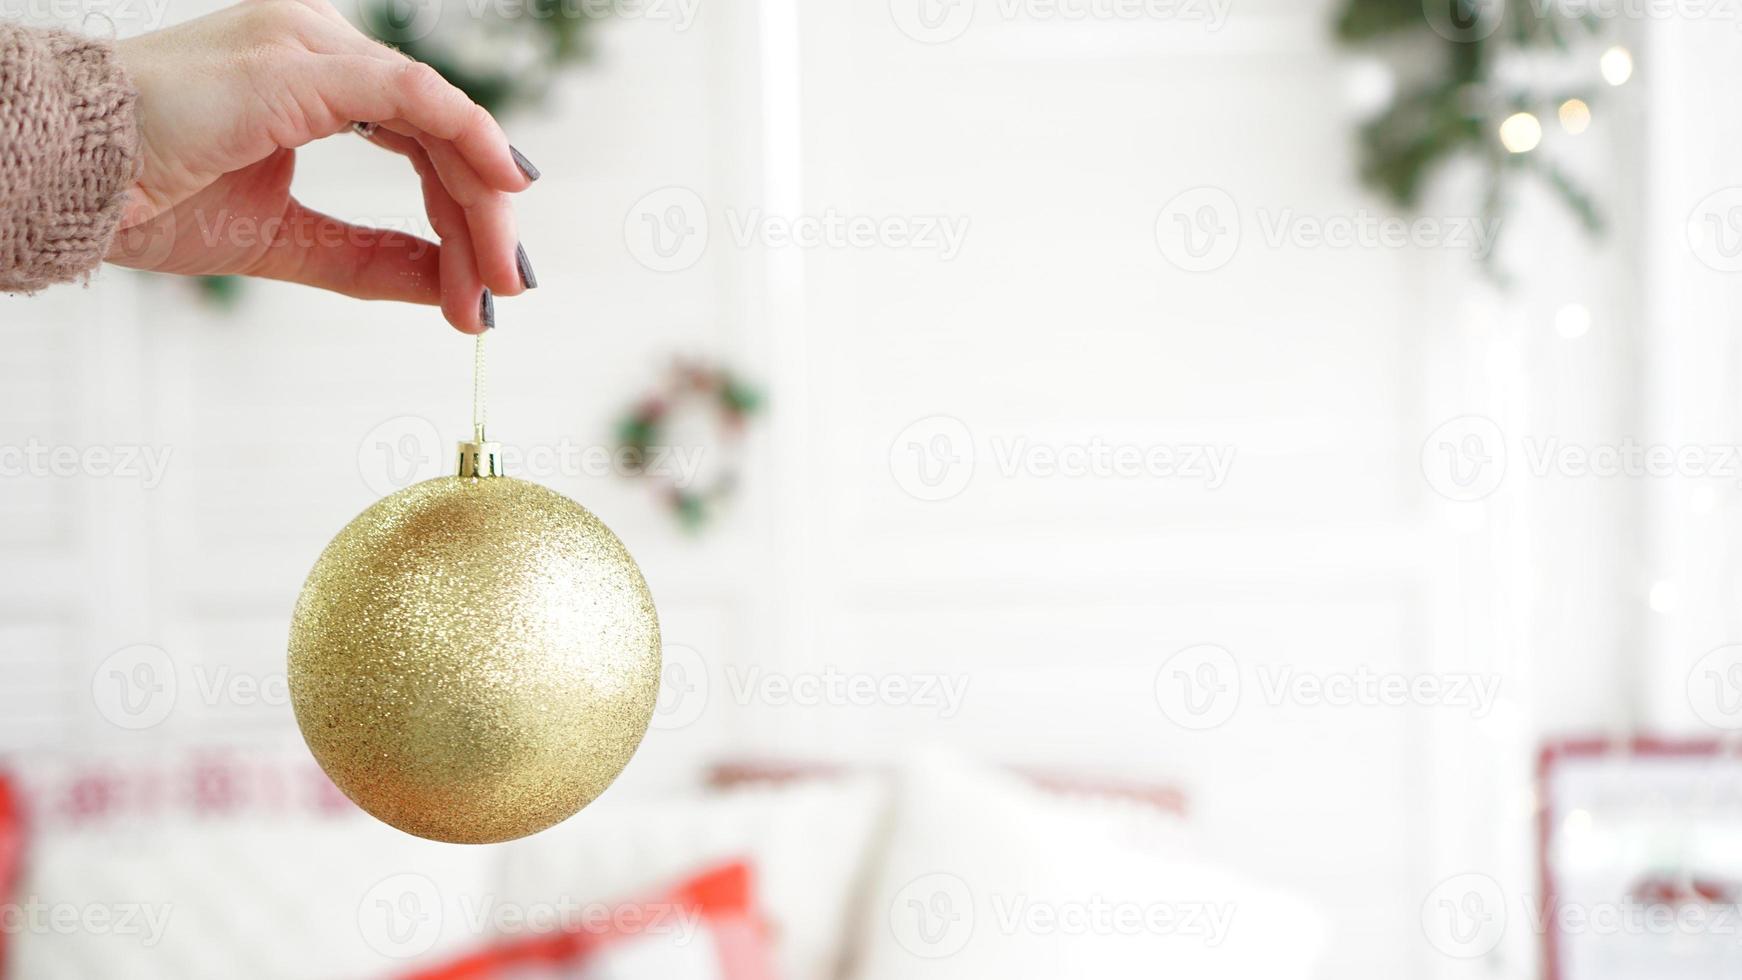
(1061, 321)
(1696, 299)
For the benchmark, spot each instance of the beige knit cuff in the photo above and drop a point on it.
(69, 144)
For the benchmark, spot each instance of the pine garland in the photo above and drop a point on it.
(555, 31)
(1457, 112)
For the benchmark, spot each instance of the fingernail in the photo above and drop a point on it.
(524, 164)
(528, 278)
(487, 310)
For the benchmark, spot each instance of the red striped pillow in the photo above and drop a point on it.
(734, 944)
(11, 851)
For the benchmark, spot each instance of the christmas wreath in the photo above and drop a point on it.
(642, 436)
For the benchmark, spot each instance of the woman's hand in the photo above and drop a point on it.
(225, 100)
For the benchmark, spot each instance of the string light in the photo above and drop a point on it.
(1575, 116)
(1616, 65)
(1371, 86)
(1521, 132)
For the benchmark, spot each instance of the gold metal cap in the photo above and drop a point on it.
(480, 458)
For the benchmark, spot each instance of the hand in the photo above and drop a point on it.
(225, 100)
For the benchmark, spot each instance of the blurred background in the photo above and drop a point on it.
(1227, 488)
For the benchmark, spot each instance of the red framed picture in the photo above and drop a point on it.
(1639, 848)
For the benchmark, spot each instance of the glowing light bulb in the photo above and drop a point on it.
(1575, 116)
(1521, 132)
(1371, 86)
(1616, 65)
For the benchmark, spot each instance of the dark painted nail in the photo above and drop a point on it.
(487, 310)
(524, 164)
(528, 278)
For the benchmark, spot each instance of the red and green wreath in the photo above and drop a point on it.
(641, 434)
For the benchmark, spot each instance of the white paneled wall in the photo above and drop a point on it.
(1058, 322)
(1695, 365)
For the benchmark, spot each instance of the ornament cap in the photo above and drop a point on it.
(480, 458)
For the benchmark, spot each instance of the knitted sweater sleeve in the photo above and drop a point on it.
(69, 143)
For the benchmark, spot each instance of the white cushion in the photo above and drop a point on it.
(987, 876)
(808, 846)
(289, 897)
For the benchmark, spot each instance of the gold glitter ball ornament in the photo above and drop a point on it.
(474, 658)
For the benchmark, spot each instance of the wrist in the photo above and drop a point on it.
(73, 172)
